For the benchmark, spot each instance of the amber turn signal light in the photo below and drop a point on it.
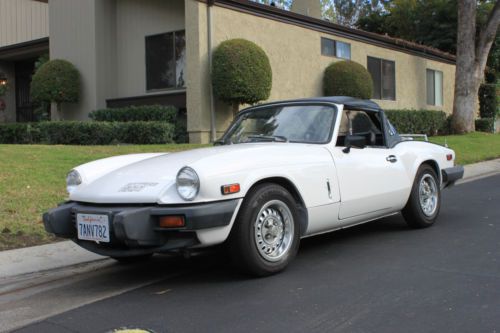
(230, 189)
(172, 221)
(449, 157)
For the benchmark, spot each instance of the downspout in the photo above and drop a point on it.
(213, 133)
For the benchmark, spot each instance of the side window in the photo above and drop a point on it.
(361, 123)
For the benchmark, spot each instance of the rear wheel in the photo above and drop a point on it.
(265, 237)
(424, 203)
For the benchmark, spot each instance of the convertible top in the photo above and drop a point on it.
(350, 102)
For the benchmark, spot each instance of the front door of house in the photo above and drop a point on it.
(24, 105)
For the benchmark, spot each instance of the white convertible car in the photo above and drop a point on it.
(281, 172)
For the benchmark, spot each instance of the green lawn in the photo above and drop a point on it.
(472, 148)
(32, 178)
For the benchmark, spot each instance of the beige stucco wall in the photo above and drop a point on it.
(298, 66)
(134, 21)
(22, 21)
(105, 40)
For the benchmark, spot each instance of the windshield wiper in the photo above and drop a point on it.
(271, 138)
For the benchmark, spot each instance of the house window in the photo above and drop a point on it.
(333, 48)
(383, 74)
(434, 87)
(343, 50)
(165, 60)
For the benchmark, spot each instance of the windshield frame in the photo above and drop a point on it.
(242, 113)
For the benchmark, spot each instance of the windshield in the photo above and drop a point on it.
(293, 123)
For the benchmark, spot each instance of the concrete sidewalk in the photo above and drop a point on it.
(66, 253)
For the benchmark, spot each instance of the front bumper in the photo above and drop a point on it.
(134, 230)
(451, 175)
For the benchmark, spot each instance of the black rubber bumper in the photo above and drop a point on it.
(451, 175)
(137, 226)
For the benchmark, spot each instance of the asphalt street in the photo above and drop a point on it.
(377, 277)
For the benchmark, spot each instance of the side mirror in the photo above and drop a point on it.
(356, 141)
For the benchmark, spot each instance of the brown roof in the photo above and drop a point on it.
(289, 17)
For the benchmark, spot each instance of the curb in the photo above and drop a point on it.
(66, 253)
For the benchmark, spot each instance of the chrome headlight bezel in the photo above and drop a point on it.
(187, 183)
(73, 179)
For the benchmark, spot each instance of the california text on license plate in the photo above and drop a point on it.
(93, 227)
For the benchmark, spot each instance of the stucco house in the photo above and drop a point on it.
(157, 51)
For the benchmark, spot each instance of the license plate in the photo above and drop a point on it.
(93, 227)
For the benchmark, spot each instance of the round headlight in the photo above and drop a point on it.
(187, 183)
(73, 179)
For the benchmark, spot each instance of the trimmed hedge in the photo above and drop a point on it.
(488, 100)
(418, 121)
(87, 133)
(241, 72)
(485, 125)
(347, 78)
(136, 113)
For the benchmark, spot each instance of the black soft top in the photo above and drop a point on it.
(349, 102)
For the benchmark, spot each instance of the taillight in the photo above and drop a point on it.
(449, 157)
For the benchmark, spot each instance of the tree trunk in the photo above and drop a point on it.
(471, 62)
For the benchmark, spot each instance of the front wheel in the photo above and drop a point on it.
(424, 203)
(265, 237)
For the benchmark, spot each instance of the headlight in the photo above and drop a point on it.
(73, 179)
(187, 183)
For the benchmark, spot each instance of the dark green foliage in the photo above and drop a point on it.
(347, 78)
(487, 100)
(136, 113)
(241, 72)
(88, 133)
(418, 121)
(490, 76)
(432, 22)
(485, 125)
(56, 81)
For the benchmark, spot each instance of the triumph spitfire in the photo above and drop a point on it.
(281, 172)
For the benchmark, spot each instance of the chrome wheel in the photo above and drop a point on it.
(428, 195)
(274, 230)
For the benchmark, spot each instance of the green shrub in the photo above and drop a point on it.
(241, 73)
(418, 121)
(347, 78)
(19, 133)
(56, 81)
(88, 133)
(136, 113)
(487, 100)
(485, 125)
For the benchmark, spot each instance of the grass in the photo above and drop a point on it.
(32, 178)
(473, 147)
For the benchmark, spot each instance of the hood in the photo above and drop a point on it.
(152, 180)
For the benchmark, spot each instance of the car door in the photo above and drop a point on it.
(372, 180)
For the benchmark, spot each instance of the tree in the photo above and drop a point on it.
(241, 73)
(56, 81)
(472, 54)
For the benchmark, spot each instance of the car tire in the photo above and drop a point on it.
(266, 233)
(133, 259)
(422, 208)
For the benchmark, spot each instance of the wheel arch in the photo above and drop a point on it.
(292, 189)
(435, 166)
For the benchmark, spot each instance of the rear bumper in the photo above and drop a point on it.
(451, 175)
(134, 230)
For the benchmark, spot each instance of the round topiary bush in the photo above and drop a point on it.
(347, 78)
(241, 73)
(56, 81)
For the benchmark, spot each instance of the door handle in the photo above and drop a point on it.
(391, 158)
